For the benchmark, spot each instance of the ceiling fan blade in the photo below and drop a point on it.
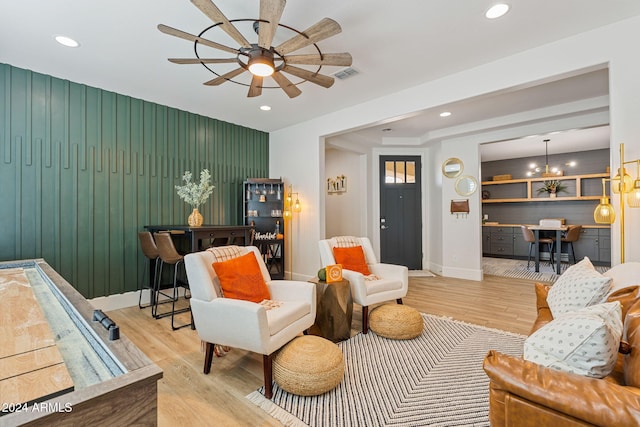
(271, 11)
(319, 79)
(290, 89)
(338, 59)
(223, 78)
(256, 87)
(211, 10)
(183, 35)
(321, 30)
(202, 60)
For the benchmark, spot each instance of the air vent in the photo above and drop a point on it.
(346, 73)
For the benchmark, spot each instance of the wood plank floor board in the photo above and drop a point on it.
(187, 397)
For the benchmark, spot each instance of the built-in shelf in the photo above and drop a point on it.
(579, 187)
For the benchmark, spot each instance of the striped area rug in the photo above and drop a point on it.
(433, 380)
(518, 269)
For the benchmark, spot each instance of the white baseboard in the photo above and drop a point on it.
(118, 301)
(128, 299)
(462, 273)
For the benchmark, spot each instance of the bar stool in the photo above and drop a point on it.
(169, 255)
(531, 239)
(572, 235)
(150, 252)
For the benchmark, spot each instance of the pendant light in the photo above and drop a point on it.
(604, 213)
(633, 197)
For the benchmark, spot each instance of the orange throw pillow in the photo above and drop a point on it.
(352, 259)
(241, 278)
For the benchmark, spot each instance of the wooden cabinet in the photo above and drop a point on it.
(498, 241)
(520, 246)
(263, 201)
(579, 187)
(594, 243)
(508, 242)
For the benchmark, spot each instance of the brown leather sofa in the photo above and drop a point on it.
(522, 393)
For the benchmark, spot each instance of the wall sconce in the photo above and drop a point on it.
(621, 184)
(297, 207)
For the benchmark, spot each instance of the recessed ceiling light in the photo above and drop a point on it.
(265, 108)
(445, 114)
(497, 10)
(67, 41)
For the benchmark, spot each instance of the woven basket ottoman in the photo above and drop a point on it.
(309, 365)
(396, 321)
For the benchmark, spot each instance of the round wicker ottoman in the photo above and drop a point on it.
(396, 321)
(309, 365)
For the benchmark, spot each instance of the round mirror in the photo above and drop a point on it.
(452, 167)
(466, 185)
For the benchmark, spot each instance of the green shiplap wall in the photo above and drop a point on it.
(82, 170)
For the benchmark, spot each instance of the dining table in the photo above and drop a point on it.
(558, 231)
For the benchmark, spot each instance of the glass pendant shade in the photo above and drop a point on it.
(604, 213)
(296, 206)
(624, 186)
(633, 197)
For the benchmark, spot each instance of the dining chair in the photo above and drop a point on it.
(530, 238)
(258, 327)
(385, 283)
(169, 255)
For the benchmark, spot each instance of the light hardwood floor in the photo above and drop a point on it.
(187, 397)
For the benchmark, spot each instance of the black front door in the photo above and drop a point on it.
(401, 211)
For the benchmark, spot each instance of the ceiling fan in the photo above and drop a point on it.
(262, 59)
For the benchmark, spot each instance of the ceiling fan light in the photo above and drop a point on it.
(261, 63)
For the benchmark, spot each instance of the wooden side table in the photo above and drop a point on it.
(334, 310)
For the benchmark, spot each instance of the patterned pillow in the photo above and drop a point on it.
(225, 253)
(584, 342)
(580, 286)
(346, 241)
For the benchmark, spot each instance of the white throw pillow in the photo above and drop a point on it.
(584, 342)
(580, 286)
(623, 275)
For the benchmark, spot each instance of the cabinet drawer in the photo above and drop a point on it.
(502, 248)
(501, 237)
(589, 232)
(506, 230)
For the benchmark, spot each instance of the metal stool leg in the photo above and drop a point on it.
(175, 298)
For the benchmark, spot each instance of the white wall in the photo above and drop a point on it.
(346, 213)
(296, 152)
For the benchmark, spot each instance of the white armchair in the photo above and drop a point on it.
(392, 282)
(243, 324)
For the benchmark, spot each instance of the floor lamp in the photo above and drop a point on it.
(289, 208)
(621, 184)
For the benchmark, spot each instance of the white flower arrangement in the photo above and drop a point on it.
(195, 194)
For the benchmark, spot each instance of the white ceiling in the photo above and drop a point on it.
(395, 45)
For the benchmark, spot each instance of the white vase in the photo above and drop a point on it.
(552, 195)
